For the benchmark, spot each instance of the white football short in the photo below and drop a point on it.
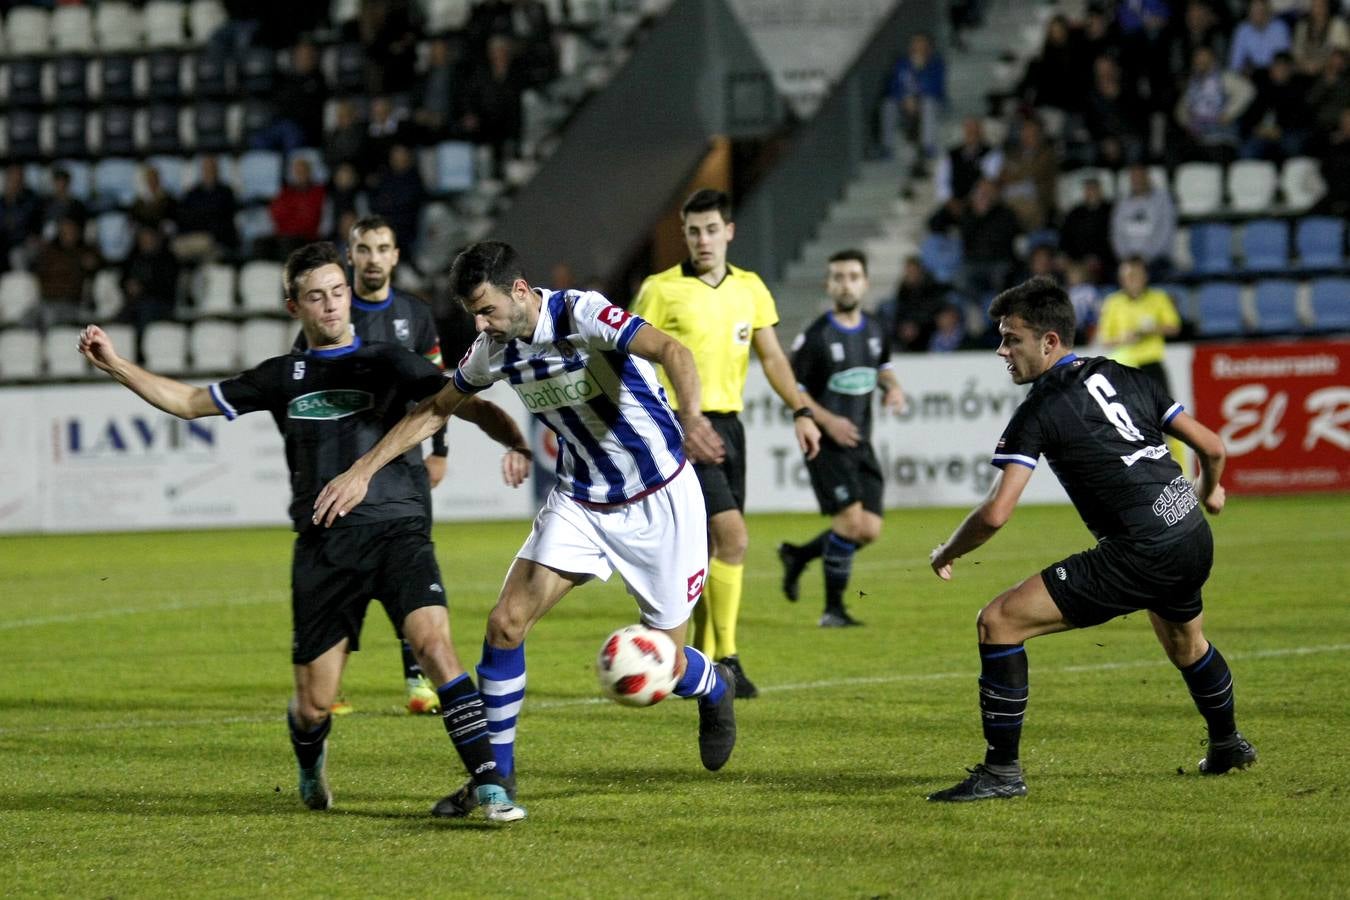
(658, 544)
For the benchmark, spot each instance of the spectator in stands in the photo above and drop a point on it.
(1042, 261)
(398, 196)
(345, 195)
(1144, 223)
(1081, 286)
(149, 281)
(297, 209)
(915, 98)
(494, 113)
(1330, 93)
(1030, 176)
(299, 98)
(1051, 78)
(385, 129)
(1334, 155)
(388, 33)
(967, 163)
(1206, 23)
(1136, 320)
(910, 318)
(527, 23)
(62, 267)
(1098, 37)
(1278, 123)
(1114, 116)
(1257, 39)
(1209, 109)
(62, 204)
(949, 331)
(1316, 35)
(20, 219)
(988, 229)
(437, 96)
(206, 213)
(1085, 235)
(346, 143)
(1145, 48)
(963, 15)
(153, 206)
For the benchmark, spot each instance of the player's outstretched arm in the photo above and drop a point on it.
(984, 521)
(1209, 448)
(173, 397)
(702, 443)
(341, 495)
(784, 383)
(494, 421)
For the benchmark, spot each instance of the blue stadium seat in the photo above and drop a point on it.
(454, 167)
(211, 75)
(1277, 306)
(171, 171)
(1321, 242)
(117, 78)
(163, 74)
(209, 126)
(118, 130)
(1331, 304)
(1181, 297)
(1212, 248)
(25, 82)
(252, 223)
(21, 134)
(81, 177)
(70, 134)
(115, 182)
(1265, 245)
(70, 79)
(1219, 309)
(115, 235)
(259, 175)
(162, 132)
(941, 256)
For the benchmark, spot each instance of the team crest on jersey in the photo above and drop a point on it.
(298, 372)
(566, 349)
(874, 346)
(402, 331)
(837, 352)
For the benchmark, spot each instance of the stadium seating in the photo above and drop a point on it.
(1070, 186)
(28, 29)
(210, 128)
(253, 223)
(1301, 183)
(165, 21)
(107, 294)
(314, 157)
(1265, 245)
(454, 166)
(1212, 248)
(1199, 188)
(1219, 310)
(70, 132)
(114, 182)
(213, 289)
(59, 349)
(118, 25)
(18, 295)
(260, 287)
(20, 354)
(211, 75)
(114, 235)
(172, 172)
(25, 82)
(1276, 305)
(1330, 304)
(1251, 185)
(164, 346)
(72, 29)
(1157, 176)
(204, 17)
(446, 15)
(70, 79)
(260, 173)
(262, 338)
(164, 75)
(117, 78)
(214, 346)
(81, 177)
(117, 131)
(1321, 242)
(349, 68)
(22, 138)
(941, 256)
(257, 70)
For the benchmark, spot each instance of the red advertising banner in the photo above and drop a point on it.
(1282, 409)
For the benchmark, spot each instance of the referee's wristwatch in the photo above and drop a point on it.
(803, 412)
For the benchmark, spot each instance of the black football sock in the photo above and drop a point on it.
(838, 564)
(307, 744)
(411, 667)
(1211, 686)
(465, 721)
(1003, 700)
(813, 548)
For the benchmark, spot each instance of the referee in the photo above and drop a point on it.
(719, 313)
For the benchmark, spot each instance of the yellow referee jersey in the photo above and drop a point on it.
(715, 323)
(1122, 316)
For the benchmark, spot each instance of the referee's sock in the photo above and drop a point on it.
(463, 715)
(308, 745)
(700, 678)
(838, 564)
(722, 593)
(501, 679)
(1003, 701)
(1211, 685)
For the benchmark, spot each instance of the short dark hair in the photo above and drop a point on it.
(851, 255)
(706, 200)
(1042, 304)
(494, 262)
(305, 260)
(373, 223)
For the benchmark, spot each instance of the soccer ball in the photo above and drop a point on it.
(636, 666)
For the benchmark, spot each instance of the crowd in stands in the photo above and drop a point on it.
(1127, 94)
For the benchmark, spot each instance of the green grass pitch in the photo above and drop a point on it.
(143, 750)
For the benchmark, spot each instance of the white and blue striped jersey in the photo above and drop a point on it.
(618, 438)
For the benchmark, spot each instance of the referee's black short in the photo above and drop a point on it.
(723, 483)
(1114, 578)
(842, 476)
(336, 572)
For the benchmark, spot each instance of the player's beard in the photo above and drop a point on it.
(373, 284)
(846, 304)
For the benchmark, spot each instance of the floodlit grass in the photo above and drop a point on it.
(143, 750)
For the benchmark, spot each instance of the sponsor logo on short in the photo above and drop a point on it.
(564, 389)
(695, 585)
(858, 381)
(1061, 574)
(333, 404)
(436, 589)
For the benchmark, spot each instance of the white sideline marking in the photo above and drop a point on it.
(588, 701)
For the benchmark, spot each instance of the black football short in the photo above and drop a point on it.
(1113, 579)
(336, 572)
(843, 476)
(723, 484)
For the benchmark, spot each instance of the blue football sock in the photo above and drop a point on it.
(501, 679)
(700, 678)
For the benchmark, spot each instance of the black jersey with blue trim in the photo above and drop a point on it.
(332, 406)
(1100, 426)
(838, 366)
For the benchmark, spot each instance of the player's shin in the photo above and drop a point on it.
(1003, 701)
(501, 678)
(462, 712)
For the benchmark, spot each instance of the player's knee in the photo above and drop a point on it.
(990, 623)
(309, 711)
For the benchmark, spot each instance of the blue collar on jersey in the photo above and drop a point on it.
(367, 306)
(862, 321)
(1065, 361)
(337, 351)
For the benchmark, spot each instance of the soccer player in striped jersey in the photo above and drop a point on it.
(626, 501)
(1101, 427)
